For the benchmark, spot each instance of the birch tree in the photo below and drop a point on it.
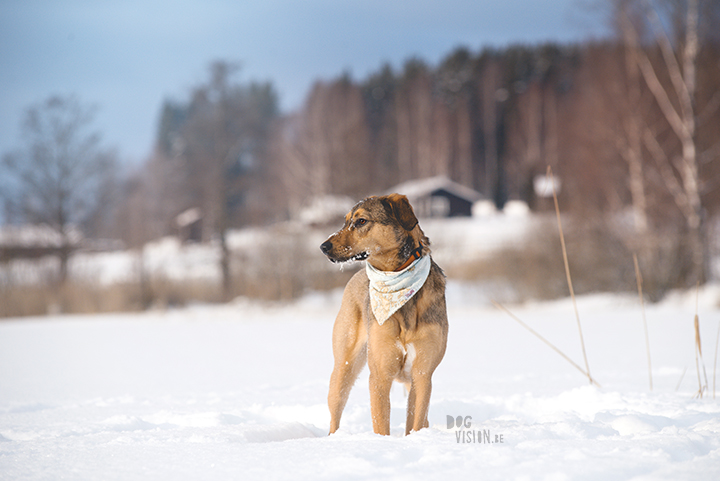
(676, 100)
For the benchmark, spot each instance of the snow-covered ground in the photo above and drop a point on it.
(239, 392)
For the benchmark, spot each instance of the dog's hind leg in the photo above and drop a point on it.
(346, 370)
(349, 349)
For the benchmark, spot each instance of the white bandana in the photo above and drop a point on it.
(389, 291)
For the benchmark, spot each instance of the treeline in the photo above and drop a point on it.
(492, 120)
(630, 126)
(489, 120)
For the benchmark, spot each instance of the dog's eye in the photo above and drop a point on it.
(360, 222)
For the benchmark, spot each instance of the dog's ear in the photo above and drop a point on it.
(399, 207)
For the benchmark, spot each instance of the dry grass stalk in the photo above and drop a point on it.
(682, 376)
(638, 276)
(548, 343)
(567, 272)
(717, 341)
(698, 350)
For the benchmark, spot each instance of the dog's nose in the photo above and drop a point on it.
(326, 247)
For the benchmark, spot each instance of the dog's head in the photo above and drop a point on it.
(383, 230)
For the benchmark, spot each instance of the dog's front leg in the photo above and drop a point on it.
(410, 418)
(431, 353)
(418, 403)
(385, 361)
(380, 385)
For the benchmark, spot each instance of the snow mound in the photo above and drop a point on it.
(281, 432)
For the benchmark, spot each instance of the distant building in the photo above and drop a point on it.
(190, 224)
(35, 241)
(438, 197)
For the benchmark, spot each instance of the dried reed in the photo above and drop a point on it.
(682, 376)
(567, 272)
(639, 278)
(698, 349)
(717, 341)
(548, 343)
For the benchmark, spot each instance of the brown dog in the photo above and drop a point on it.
(410, 343)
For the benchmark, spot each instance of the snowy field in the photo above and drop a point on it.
(239, 392)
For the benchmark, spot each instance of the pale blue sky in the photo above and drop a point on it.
(128, 56)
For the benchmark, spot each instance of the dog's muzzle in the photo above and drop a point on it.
(327, 247)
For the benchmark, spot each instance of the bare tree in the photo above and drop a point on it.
(672, 81)
(58, 177)
(632, 123)
(224, 141)
(414, 112)
(490, 84)
(325, 149)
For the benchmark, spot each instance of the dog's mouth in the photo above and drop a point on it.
(361, 256)
(341, 254)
